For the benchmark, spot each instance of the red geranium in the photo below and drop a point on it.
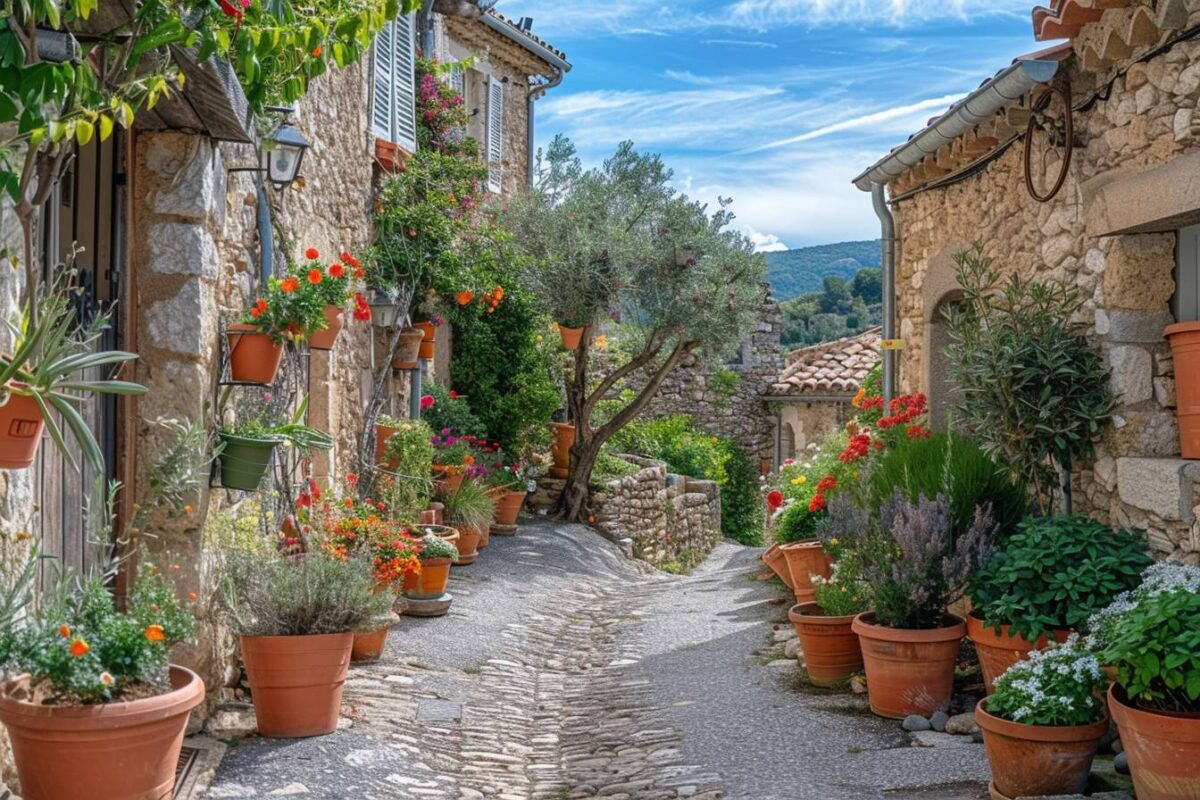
(774, 500)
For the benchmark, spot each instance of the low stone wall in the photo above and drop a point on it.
(672, 521)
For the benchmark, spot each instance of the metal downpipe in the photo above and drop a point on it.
(887, 233)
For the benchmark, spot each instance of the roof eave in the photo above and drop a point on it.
(531, 44)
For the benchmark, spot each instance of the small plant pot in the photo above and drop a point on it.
(1163, 749)
(564, 440)
(908, 671)
(508, 507)
(430, 582)
(1037, 760)
(382, 434)
(428, 341)
(468, 545)
(409, 349)
(830, 646)
(452, 477)
(110, 751)
(253, 356)
(999, 651)
(335, 320)
(776, 561)
(21, 426)
(296, 682)
(369, 646)
(245, 461)
(805, 559)
(571, 336)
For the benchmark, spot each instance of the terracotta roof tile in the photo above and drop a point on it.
(528, 34)
(837, 367)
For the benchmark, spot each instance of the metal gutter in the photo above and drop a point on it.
(1011, 83)
(530, 125)
(887, 233)
(528, 42)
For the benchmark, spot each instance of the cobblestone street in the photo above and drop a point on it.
(566, 671)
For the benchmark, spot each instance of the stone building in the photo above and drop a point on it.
(813, 394)
(1120, 229)
(168, 219)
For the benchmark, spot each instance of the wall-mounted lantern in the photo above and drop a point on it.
(283, 152)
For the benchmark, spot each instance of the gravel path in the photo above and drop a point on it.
(566, 671)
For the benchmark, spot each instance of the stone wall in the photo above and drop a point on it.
(743, 416)
(671, 521)
(1125, 279)
(806, 424)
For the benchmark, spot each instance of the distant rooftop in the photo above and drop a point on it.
(830, 368)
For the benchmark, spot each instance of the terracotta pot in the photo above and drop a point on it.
(296, 682)
(805, 559)
(564, 440)
(999, 651)
(1163, 749)
(21, 426)
(452, 477)
(777, 561)
(369, 646)
(430, 583)
(114, 751)
(382, 434)
(571, 336)
(908, 671)
(429, 332)
(508, 507)
(831, 650)
(1037, 760)
(409, 349)
(335, 320)
(1185, 350)
(485, 536)
(468, 545)
(253, 357)
(433, 514)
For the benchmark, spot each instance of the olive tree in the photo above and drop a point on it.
(618, 250)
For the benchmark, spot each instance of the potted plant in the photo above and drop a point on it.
(46, 371)
(831, 649)
(428, 326)
(329, 288)
(1045, 581)
(453, 456)
(1151, 638)
(1043, 722)
(436, 554)
(560, 451)
(572, 330)
(296, 614)
(915, 569)
(409, 456)
(248, 445)
(408, 350)
(281, 312)
(510, 488)
(468, 510)
(96, 702)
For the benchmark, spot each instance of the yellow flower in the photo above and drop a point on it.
(854, 474)
(801, 480)
(600, 342)
(833, 542)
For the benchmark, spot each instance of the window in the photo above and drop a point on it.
(495, 135)
(1186, 303)
(393, 96)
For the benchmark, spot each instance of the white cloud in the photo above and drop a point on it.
(864, 121)
(765, 242)
(741, 43)
(809, 13)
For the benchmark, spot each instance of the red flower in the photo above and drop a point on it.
(304, 501)
(826, 483)
(312, 254)
(315, 276)
(774, 499)
(230, 10)
(817, 504)
(918, 432)
(453, 395)
(337, 270)
(427, 402)
(352, 479)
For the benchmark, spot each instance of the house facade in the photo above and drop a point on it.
(1076, 163)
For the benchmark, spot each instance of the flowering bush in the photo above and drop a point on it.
(443, 114)
(1152, 636)
(1060, 685)
(433, 546)
(451, 411)
(409, 454)
(844, 592)
(314, 284)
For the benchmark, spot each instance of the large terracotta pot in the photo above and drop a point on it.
(253, 356)
(430, 583)
(831, 650)
(21, 426)
(571, 336)
(335, 320)
(369, 646)
(296, 682)
(114, 751)
(908, 671)
(805, 559)
(777, 562)
(508, 507)
(1163, 749)
(564, 440)
(1185, 349)
(409, 349)
(999, 651)
(1037, 760)
(468, 545)
(429, 340)
(382, 434)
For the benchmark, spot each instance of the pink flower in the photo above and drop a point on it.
(445, 431)
(427, 402)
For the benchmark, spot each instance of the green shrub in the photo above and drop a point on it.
(411, 448)
(742, 513)
(451, 413)
(1055, 573)
(610, 467)
(844, 592)
(797, 524)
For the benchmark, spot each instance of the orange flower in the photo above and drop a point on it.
(469, 460)
(337, 270)
(193, 597)
(858, 398)
(289, 284)
(348, 502)
(65, 631)
(312, 254)
(315, 276)
(188, 510)
(154, 633)
(345, 256)
(316, 51)
(462, 298)
(79, 648)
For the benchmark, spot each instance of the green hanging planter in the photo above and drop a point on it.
(244, 461)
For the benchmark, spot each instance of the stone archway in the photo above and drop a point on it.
(940, 290)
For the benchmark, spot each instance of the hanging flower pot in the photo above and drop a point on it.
(805, 559)
(409, 349)
(1000, 650)
(775, 559)
(908, 671)
(244, 461)
(335, 320)
(21, 426)
(429, 330)
(110, 751)
(831, 650)
(369, 646)
(571, 336)
(296, 682)
(564, 440)
(508, 507)
(253, 357)
(1163, 748)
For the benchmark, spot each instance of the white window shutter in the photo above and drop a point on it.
(495, 135)
(383, 95)
(405, 86)
(458, 82)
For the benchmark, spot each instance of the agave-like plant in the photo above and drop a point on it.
(52, 352)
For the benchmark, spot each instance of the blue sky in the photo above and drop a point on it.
(775, 103)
